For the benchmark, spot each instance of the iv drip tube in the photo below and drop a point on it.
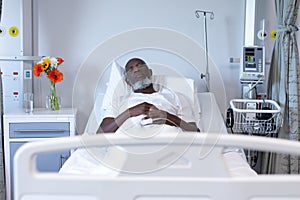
(207, 78)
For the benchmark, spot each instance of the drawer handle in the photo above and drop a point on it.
(39, 130)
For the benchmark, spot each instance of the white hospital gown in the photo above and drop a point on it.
(165, 99)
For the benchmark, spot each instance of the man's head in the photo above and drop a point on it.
(137, 74)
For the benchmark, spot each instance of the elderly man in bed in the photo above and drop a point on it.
(161, 106)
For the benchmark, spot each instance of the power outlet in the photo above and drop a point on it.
(27, 74)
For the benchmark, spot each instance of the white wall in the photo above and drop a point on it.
(73, 28)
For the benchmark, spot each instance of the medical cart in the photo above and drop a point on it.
(258, 117)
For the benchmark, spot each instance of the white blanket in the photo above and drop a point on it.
(104, 162)
(109, 161)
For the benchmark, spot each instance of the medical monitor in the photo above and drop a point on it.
(252, 64)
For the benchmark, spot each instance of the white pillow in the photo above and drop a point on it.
(116, 85)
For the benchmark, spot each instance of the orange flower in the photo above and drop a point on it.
(37, 69)
(59, 60)
(55, 76)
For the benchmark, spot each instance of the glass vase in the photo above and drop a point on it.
(52, 100)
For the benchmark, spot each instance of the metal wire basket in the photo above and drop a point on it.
(254, 117)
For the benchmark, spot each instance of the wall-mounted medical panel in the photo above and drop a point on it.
(12, 47)
(12, 77)
(11, 35)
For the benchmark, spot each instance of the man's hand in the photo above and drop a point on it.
(150, 111)
(140, 109)
(160, 116)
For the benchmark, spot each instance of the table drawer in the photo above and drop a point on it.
(39, 129)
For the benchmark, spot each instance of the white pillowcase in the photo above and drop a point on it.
(116, 85)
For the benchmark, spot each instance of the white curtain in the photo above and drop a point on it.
(2, 184)
(284, 85)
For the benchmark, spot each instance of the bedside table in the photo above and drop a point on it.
(20, 127)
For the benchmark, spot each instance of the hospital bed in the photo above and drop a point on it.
(172, 165)
(204, 107)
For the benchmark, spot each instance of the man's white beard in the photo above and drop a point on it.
(141, 84)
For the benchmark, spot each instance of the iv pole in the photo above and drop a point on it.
(207, 78)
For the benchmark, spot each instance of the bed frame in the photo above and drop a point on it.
(211, 182)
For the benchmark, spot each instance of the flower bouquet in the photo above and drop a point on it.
(49, 65)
